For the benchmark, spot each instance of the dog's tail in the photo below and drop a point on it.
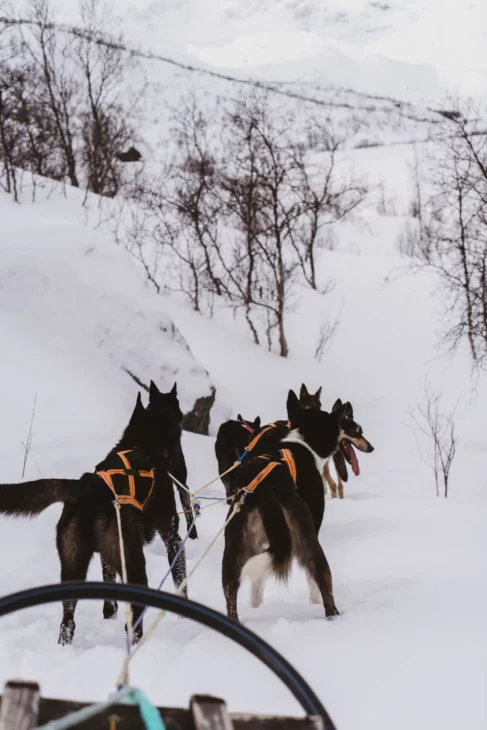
(277, 559)
(31, 498)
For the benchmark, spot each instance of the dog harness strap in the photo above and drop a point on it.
(256, 439)
(260, 477)
(259, 435)
(131, 497)
(286, 458)
(130, 476)
(291, 464)
(108, 480)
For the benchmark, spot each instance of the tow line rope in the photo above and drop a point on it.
(208, 484)
(236, 508)
(123, 678)
(128, 607)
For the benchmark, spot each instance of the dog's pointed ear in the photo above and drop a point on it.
(257, 423)
(318, 393)
(174, 390)
(239, 417)
(153, 391)
(138, 410)
(341, 412)
(293, 408)
(303, 393)
(337, 404)
(349, 410)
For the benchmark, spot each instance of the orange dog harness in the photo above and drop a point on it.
(286, 459)
(256, 439)
(129, 485)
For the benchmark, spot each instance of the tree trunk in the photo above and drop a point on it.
(284, 350)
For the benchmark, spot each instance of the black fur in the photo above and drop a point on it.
(88, 521)
(232, 439)
(269, 441)
(310, 400)
(280, 515)
(167, 406)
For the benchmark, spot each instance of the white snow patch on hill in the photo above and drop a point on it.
(79, 313)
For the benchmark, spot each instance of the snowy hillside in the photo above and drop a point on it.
(391, 48)
(82, 319)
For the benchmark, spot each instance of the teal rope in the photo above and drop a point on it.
(128, 695)
(150, 714)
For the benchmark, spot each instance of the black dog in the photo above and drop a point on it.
(166, 407)
(232, 439)
(278, 520)
(88, 521)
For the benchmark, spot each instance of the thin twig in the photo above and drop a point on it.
(28, 444)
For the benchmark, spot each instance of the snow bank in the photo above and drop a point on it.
(75, 316)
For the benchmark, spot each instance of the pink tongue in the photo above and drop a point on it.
(354, 460)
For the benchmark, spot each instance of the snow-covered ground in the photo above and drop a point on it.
(409, 568)
(410, 648)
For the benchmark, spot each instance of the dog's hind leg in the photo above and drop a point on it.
(136, 573)
(172, 541)
(320, 573)
(314, 591)
(257, 591)
(309, 553)
(259, 569)
(110, 608)
(134, 558)
(234, 558)
(75, 549)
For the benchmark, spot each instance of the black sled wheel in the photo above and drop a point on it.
(139, 595)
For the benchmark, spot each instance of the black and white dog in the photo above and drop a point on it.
(278, 520)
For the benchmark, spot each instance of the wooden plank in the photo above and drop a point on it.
(210, 713)
(275, 722)
(127, 717)
(20, 705)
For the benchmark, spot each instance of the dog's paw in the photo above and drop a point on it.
(66, 633)
(110, 609)
(136, 634)
(332, 612)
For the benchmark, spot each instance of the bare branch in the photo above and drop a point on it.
(438, 446)
(28, 444)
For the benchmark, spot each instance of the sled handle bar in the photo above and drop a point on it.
(143, 596)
